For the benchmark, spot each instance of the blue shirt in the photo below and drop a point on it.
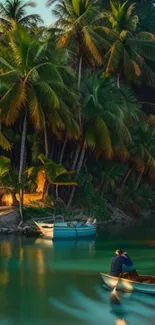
(121, 264)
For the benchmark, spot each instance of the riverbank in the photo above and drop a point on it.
(10, 219)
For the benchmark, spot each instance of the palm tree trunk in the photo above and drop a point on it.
(79, 166)
(57, 192)
(118, 80)
(77, 153)
(139, 180)
(79, 147)
(60, 162)
(79, 84)
(120, 196)
(21, 167)
(79, 71)
(46, 189)
(81, 159)
(45, 139)
(104, 187)
(76, 157)
(62, 151)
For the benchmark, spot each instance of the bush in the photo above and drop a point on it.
(89, 197)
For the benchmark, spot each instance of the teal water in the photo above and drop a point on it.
(47, 283)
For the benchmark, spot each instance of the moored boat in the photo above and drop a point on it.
(62, 229)
(144, 284)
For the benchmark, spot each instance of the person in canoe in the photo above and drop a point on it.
(122, 265)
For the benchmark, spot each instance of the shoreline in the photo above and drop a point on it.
(118, 221)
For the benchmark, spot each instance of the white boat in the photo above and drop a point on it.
(59, 229)
(143, 283)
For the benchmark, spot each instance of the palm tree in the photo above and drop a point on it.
(105, 117)
(30, 81)
(4, 143)
(143, 150)
(137, 199)
(75, 24)
(107, 174)
(142, 156)
(129, 54)
(15, 11)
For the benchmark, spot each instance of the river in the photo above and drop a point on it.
(59, 283)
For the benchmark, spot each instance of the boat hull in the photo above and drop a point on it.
(60, 231)
(74, 232)
(129, 285)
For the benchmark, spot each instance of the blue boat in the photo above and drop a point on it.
(67, 230)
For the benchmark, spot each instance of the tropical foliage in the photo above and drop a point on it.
(14, 11)
(77, 105)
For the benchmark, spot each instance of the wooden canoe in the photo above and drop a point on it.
(144, 284)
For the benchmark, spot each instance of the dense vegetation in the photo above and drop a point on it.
(77, 105)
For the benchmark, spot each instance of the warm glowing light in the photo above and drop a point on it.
(40, 260)
(46, 242)
(7, 199)
(30, 197)
(120, 322)
(111, 282)
(21, 255)
(151, 243)
(38, 195)
(6, 249)
(127, 285)
(40, 181)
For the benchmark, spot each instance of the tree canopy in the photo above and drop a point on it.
(77, 105)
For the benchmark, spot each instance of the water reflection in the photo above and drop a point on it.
(68, 244)
(44, 282)
(99, 311)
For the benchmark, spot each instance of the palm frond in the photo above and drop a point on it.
(30, 20)
(6, 64)
(90, 139)
(63, 40)
(76, 6)
(146, 36)
(4, 143)
(88, 16)
(35, 109)
(131, 68)
(115, 56)
(88, 42)
(13, 101)
(48, 73)
(103, 136)
(144, 48)
(47, 95)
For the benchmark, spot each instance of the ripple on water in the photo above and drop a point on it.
(47, 283)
